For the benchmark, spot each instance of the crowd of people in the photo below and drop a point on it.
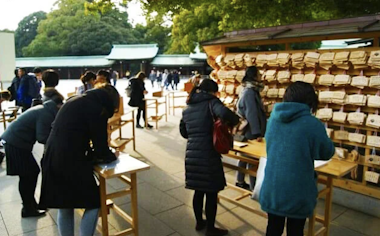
(75, 136)
(166, 78)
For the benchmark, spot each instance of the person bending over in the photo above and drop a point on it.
(77, 142)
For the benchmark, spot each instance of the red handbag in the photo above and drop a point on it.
(222, 137)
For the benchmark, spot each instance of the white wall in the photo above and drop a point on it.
(7, 56)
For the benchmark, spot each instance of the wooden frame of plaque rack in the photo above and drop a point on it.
(367, 27)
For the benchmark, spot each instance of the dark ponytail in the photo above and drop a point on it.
(87, 77)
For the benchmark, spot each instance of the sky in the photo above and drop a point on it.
(13, 11)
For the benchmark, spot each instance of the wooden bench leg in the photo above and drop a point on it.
(135, 215)
(103, 206)
(311, 228)
(328, 206)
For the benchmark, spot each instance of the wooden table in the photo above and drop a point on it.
(119, 169)
(172, 96)
(8, 115)
(117, 122)
(155, 102)
(327, 173)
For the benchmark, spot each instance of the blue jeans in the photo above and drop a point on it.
(240, 177)
(87, 226)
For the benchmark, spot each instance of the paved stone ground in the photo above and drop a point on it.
(164, 204)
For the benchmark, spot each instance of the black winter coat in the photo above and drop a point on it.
(203, 164)
(67, 167)
(137, 93)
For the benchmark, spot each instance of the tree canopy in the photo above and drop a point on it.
(69, 31)
(27, 31)
(89, 27)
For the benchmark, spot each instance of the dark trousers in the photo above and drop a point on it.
(294, 227)
(27, 187)
(141, 109)
(211, 207)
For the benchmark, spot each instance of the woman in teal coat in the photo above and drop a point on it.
(295, 138)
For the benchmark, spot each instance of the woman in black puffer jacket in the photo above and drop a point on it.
(203, 164)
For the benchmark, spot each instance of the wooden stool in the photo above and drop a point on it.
(119, 169)
(172, 97)
(155, 102)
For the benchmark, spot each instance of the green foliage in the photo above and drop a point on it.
(69, 31)
(196, 21)
(27, 30)
(6, 31)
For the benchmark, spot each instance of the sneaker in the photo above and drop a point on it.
(216, 232)
(139, 126)
(200, 225)
(32, 213)
(243, 185)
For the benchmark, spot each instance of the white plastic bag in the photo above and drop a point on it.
(259, 178)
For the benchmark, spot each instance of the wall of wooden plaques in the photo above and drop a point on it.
(348, 86)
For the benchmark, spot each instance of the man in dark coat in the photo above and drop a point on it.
(29, 88)
(14, 87)
(175, 80)
(203, 164)
(138, 92)
(33, 125)
(77, 141)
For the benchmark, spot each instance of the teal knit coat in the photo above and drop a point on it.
(294, 139)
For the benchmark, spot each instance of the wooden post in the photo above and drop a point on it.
(311, 228)
(135, 217)
(328, 205)
(376, 41)
(146, 114)
(173, 95)
(103, 205)
(287, 46)
(156, 113)
(133, 130)
(166, 109)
